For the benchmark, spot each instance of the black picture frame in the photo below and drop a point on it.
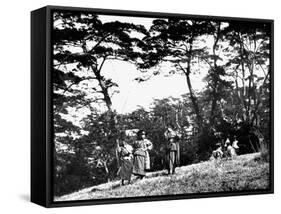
(42, 115)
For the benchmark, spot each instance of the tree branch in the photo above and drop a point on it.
(75, 83)
(99, 42)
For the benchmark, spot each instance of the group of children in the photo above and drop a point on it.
(226, 149)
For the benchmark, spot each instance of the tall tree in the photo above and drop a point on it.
(175, 41)
(250, 63)
(216, 77)
(83, 44)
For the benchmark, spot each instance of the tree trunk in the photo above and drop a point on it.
(194, 103)
(107, 99)
(214, 101)
(215, 76)
(104, 88)
(192, 96)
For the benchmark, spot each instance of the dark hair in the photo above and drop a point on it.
(139, 134)
(176, 138)
(171, 125)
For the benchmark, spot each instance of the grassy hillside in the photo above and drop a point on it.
(246, 172)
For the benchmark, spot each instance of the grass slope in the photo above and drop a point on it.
(246, 172)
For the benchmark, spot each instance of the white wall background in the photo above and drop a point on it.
(15, 106)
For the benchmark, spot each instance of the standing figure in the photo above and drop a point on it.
(141, 156)
(173, 154)
(126, 161)
(231, 149)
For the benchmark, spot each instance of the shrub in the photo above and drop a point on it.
(264, 152)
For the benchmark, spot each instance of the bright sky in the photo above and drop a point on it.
(133, 94)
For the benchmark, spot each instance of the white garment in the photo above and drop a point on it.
(235, 144)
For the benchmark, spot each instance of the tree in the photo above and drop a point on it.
(215, 79)
(174, 41)
(83, 44)
(250, 65)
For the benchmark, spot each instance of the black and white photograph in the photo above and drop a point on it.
(159, 105)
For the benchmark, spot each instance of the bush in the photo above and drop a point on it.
(264, 151)
(205, 142)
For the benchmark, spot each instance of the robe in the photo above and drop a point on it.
(172, 156)
(126, 162)
(141, 157)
